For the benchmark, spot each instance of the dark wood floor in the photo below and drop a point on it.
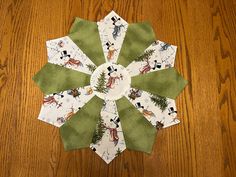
(203, 145)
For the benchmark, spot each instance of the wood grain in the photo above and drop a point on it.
(203, 145)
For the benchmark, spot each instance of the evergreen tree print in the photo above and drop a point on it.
(101, 83)
(118, 152)
(159, 101)
(91, 67)
(146, 56)
(99, 131)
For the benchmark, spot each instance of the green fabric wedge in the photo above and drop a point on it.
(139, 36)
(167, 82)
(139, 133)
(86, 36)
(78, 131)
(54, 78)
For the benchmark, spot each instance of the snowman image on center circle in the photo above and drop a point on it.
(113, 77)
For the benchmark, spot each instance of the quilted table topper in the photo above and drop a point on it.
(109, 86)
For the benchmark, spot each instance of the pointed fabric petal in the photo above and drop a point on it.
(64, 52)
(157, 56)
(60, 107)
(138, 37)
(86, 36)
(167, 83)
(108, 140)
(159, 111)
(78, 131)
(138, 132)
(54, 78)
(112, 30)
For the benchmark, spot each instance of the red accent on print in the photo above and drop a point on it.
(112, 81)
(73, 62)
(146, 68)
(50, 100)
(110, 54)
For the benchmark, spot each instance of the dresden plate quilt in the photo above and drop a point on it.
(135, 73)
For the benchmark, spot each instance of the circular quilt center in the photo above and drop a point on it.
(110, 81)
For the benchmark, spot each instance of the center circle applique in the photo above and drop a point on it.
(110, 81)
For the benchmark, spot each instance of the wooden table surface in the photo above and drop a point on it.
(202, 145)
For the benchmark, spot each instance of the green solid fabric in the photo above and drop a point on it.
(78, 131)
(139, 36)
(86, 36)
(167, 82)
(139, 133)
(54, 78)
